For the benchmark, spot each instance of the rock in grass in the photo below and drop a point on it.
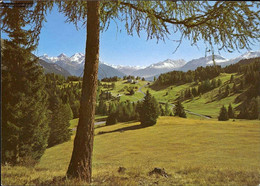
(121, 169)
(159, 171)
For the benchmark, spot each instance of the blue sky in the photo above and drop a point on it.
(116, 47)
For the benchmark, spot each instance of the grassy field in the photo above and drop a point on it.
(121, 88)
(192, 151)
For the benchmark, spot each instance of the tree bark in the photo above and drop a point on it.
(81, 161)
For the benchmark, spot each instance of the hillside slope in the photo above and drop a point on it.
(53, 68)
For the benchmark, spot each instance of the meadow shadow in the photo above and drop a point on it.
(123, 129)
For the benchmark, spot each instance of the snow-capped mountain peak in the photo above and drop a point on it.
(48, 59)
(250, 54)
(77, 57)
(168, 63)
(62, 56)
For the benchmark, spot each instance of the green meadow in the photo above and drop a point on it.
(192, 152)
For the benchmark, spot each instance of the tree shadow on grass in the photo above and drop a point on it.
(123, 129)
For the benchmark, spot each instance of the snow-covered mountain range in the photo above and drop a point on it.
(76, 58)
(158, 68)
(75, 65)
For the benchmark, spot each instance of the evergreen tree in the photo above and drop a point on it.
(231, 78)
(149, 111)
(230, 111)
(179, 110)
(61, 115)
(25, 128)
(223, 115)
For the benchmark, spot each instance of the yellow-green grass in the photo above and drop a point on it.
(173, 92)
(202, 106)
(193, 151)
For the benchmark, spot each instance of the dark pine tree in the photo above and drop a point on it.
(179, 110)
(223, 115)
(61, 114)
(25, 128)
(149, 110)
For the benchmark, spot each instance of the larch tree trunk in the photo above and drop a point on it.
(81, 161)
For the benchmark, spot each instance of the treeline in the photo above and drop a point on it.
(74, 78)
(146, 111)
(249, 83)
(121, 112)
(241, 66)
(203, 87)
(110, 79)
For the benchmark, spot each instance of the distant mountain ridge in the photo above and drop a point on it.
(158, 68)
(75, 65)
(203, 61)
(53, 68)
